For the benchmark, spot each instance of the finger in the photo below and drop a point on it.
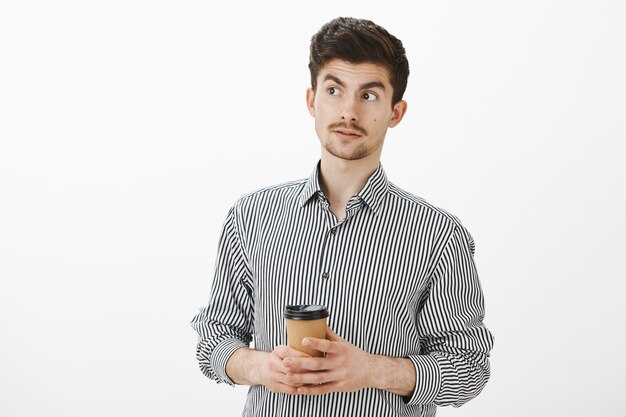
(318, 389)
(282, 380)
(323, 345)
(331, 335)
(280, 387)
(310, 378)
(293, 384)
(306, 364)
(283, 352)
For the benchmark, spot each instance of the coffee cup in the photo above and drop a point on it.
(305, 320)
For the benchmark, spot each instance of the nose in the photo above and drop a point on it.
(349, 110)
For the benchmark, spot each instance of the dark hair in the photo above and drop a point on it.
(358, 41)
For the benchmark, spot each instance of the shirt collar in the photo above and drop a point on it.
(372, 193)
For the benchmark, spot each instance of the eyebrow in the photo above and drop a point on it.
(371, 84)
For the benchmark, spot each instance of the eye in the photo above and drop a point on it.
(369, 96)
(333, 91)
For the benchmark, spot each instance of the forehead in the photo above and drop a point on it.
(355, 74)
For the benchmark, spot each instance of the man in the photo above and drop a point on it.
(396, 273)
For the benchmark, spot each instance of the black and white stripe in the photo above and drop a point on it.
(397, 275)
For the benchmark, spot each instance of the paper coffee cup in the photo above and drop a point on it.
(305, 320)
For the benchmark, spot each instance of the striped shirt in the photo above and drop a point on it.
(397, 275)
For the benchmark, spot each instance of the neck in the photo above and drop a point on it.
(341, 179)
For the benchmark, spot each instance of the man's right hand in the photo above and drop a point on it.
(254, 367)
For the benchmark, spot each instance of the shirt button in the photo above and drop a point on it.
(325, 275)
(333, 231)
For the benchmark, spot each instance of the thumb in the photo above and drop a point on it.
(331, 335)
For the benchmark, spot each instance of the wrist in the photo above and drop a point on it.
(396, 375)
(243, 366)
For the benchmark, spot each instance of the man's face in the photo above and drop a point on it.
(352, 109)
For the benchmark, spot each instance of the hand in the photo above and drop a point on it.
(272, 372)
(345, 367)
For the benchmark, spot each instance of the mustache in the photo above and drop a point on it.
(347, 126)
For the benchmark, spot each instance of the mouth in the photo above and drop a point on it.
(347, 132)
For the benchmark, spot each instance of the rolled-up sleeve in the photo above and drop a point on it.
(453, 362)
(225, 324)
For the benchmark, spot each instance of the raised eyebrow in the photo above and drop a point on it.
(371, 84)
(333, 78)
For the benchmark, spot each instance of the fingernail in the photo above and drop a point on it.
(306, 342)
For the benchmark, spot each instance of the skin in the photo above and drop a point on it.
(352, 110)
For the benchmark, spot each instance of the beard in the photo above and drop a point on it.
(349, 153)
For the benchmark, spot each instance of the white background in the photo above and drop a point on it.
(129, 127)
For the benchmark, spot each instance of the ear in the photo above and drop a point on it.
(310, 101)
(399, 109)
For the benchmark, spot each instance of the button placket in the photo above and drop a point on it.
(328, 250)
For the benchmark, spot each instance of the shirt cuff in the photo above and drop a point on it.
(220, 356)
(428, 379)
